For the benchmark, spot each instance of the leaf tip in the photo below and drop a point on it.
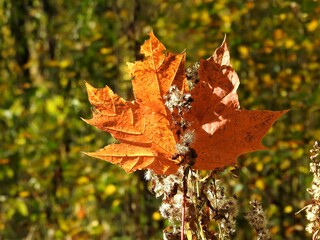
(86, 153)
(89, 87)
(224, 40)
(285, 111)
(151, 34)
(88, 121)
(281, 113)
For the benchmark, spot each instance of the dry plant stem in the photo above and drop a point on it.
(197, 190)
(191, 190)
(194, 204)
(202, 236)
(184, 201)
(216, 201)
(313, 209)
(197, 185)
(257, 219)
(183, 217)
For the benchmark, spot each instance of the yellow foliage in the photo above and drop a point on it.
(63, 224)
(285, 164)
(259, 166)
(63, 191)
(256, 197)
(288, 209)
(156, 216)
(21, 141)
(54, 104)
(283, 16)
(296, 80)
(201, 52)
(105, 50)
(111, 59)
(272, 210)
(205, 17)
(268, 45)
(115, 203)
(124, 13)
(313, 25)
(299, 153)
(24, 194)
(110, 189)
(22, 208)
(83, 180)
(268, 81)
(260, 184)
(64, 63)
(278, 34)
(289, 43)
(306, 44)
(283, 93)
(244, 51)
(303, 169)
(313, 66)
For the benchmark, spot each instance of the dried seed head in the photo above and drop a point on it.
(148, 175)
(193, 75)
(173, 98)
(182, 149)
(165, 210)
(257, 219)
(313, 209)
(187, 137)
(176, 99)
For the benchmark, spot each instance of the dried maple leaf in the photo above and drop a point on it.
(145, 128)
(223, 130)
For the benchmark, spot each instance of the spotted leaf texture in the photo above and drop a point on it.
(144, 127)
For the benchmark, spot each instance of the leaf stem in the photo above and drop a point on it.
(183, 216)
(184, 200)
(197, 184)
(216, 206)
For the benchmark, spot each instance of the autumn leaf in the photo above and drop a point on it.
(145, 127)
(223, 130)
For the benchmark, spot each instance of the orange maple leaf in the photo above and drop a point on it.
(145, 128)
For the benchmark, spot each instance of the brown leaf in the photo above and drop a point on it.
(223, 130)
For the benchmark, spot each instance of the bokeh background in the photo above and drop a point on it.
(50, 190)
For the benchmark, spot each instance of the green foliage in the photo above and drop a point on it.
(47, 48)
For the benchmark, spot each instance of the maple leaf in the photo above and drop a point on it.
(223, 130)
(145, 128)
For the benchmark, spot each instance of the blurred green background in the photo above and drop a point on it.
(50, 190)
